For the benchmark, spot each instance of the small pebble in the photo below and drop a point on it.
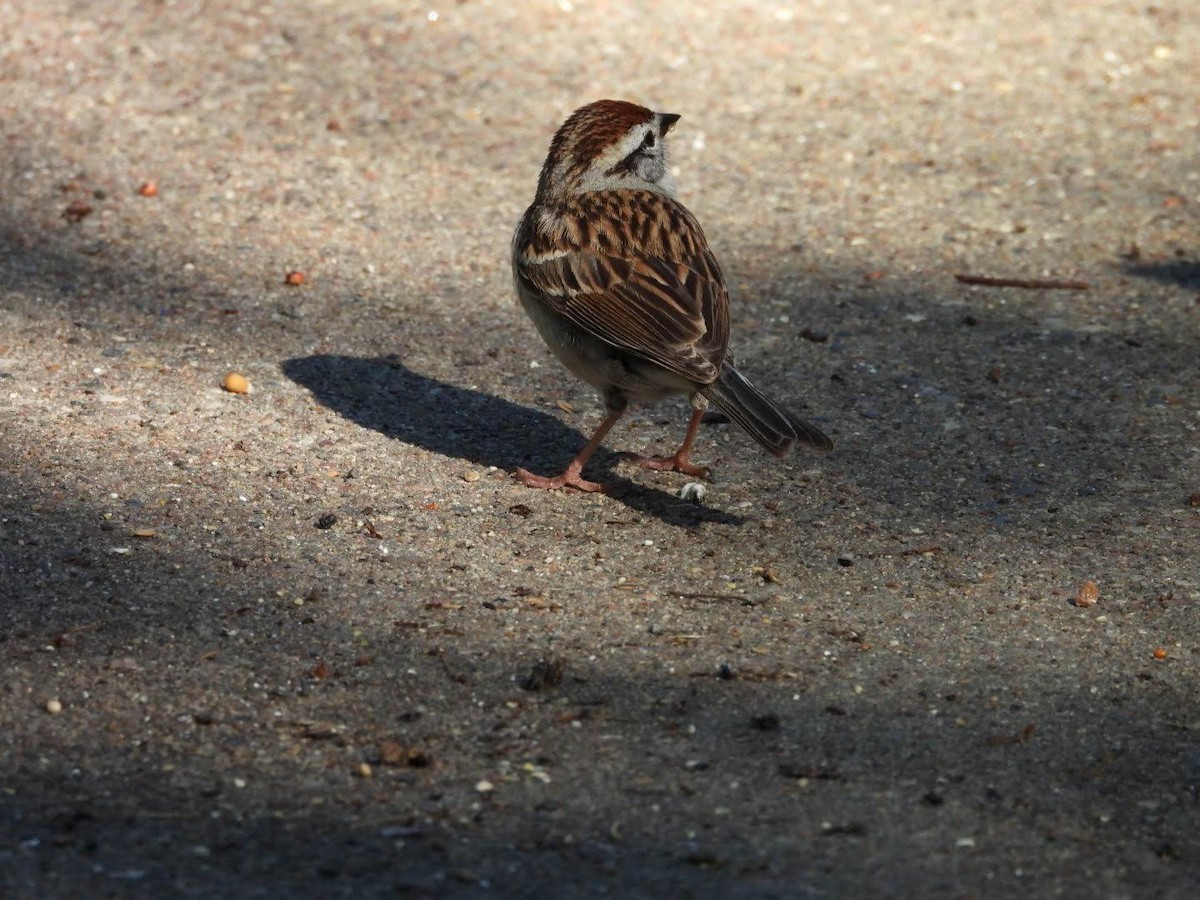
(236, 384)
(1089, 594)
(54, 707)
(391, 753)
(483, 786)
(77, 211)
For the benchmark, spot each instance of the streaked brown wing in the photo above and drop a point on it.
(664, 299)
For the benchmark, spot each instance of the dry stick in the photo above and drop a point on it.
(702, 595)
(910, 551)
(1030, 283)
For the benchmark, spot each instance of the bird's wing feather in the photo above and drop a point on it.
(653, 288)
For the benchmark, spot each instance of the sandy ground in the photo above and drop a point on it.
(314, 640)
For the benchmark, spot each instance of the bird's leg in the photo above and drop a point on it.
(572, 476)
(678, 462)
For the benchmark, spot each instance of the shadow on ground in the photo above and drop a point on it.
(1013, 416)
(1182, 272)
(385, 395)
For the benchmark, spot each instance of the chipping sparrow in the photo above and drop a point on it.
(620, 282)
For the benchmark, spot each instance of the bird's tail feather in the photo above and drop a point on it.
(760, 416)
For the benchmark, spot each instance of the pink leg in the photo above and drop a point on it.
(572, 476)
(678, 462)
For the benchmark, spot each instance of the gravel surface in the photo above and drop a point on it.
(313, 640)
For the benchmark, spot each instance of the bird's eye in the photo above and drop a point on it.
(648, 141)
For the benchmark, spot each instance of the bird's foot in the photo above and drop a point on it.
(569, 478)
(677, 463)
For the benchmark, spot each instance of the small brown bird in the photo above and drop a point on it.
(620, 282)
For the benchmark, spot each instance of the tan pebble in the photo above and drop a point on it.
(471, 476)
(391, 753)
(145, 533)
(236, 384)
(363, 770)
(483, 786)
(54, 707)
(1089, 594)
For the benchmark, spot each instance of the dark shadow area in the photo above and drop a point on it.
(886, 801)
(385, 395)
(702, 783)
(1182, 272)
(1010, 417)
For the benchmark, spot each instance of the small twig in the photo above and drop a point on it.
(748, 675)
(698, 595)
(923, 550)
(1029, 283)
(1024, 736)
(78, 629)
(728, 598)
(452, 673)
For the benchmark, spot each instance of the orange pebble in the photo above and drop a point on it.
(294, 278)
(1160, 652)
(236, 384)
(1089, 594)
(148, 189)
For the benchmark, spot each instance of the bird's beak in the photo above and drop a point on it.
(666, 122)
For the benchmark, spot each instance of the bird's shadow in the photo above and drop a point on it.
(385, 395)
